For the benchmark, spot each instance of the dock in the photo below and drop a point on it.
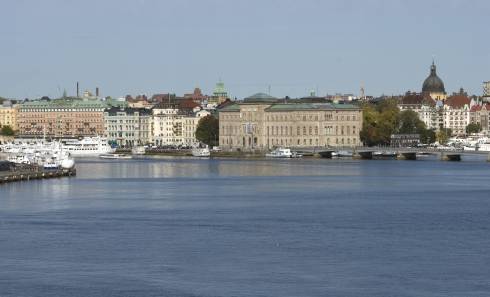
(26, 174)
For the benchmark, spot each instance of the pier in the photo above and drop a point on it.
(32, 173)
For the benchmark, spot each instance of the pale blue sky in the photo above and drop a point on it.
(145, 46)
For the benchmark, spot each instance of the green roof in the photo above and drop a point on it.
(231, 107)
(309, 106)
(69, 102)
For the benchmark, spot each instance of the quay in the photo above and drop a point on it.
(32, 173)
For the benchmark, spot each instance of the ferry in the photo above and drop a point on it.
(87, 147)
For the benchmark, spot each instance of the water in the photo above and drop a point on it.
(190, 227)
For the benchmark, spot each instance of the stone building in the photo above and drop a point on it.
(480, 114)
(65, 117)
(8, 115)
(262, 122)
(175, 122)
(128, 127)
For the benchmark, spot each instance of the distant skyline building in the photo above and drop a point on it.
(433, 85)
(486, 91)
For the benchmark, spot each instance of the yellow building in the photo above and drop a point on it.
(8, 116)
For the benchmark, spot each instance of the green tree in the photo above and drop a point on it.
(379, 122)
(443, 135)
(473, 128)
(7, 130)
(207, 130)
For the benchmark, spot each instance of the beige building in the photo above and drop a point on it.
(175, 123)
(261, 122)
(66, 117)
(8, 115)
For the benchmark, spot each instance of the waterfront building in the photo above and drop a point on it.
(8, 115)
(456, 113)
(433, 85)
(263, 122)
(128, 127)
(175, 122)
(480, 114)
(65, 117)
(425, 107)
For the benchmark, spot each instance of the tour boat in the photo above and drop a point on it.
(280, 153)
(115, 156)
(87, 146)
(201, 152)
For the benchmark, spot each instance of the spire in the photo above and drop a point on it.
(433, 68)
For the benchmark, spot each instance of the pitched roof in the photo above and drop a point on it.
(417, 99)
(458, 101)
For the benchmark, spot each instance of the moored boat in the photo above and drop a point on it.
(280, 153)
(201, 152)
(115, 156)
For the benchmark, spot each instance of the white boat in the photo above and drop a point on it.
(115, 156)
(87, 146)
(201, 152)
(138, 150)
(280, 153)
(484, 147)
(344, 154)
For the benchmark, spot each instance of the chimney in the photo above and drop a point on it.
(78, 95)
(96, 91)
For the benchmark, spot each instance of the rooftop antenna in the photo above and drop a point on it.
(269, 89)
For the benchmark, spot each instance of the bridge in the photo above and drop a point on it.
(406, 153)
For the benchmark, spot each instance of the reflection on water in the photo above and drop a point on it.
(227, 227)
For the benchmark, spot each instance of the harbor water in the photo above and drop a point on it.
(237, 227)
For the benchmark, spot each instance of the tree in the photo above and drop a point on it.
(473, 128)
(7, 131)
(208, 130)
(443, 135)
(379, 122)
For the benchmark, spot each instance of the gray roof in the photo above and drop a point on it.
(433, 84)
(260, 97)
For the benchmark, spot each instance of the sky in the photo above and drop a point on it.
(290, 47)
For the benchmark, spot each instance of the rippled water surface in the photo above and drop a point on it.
(209, 227)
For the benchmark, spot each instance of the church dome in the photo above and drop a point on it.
(433, 84)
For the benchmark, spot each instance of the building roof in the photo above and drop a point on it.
(310, 106)
(260, 97)
(129, 111)
(433, 84)
(68, 102)
(458, 101)
(230, 107)
(417, 99)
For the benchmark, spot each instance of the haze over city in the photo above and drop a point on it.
(131, 47)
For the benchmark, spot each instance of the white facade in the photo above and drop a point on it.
(127, 127)
(456, 119)
(172, 127)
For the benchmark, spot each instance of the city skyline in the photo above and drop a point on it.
(128, 47)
